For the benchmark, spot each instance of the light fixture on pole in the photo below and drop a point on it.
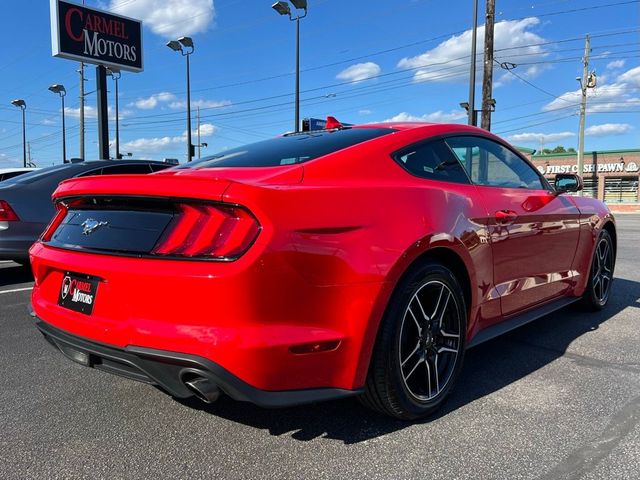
(115, 74)
(23, 106)
(177, 46)
(283, 9)
(60, 90)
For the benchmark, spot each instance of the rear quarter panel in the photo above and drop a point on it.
(594, 214)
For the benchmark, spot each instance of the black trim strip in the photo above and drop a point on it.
(164, 368)
(519, 320)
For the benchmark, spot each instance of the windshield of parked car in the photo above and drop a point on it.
(289, 149)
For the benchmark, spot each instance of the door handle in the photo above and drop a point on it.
(506, 216)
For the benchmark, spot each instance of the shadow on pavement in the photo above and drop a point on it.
(13, 273)
(488, 368)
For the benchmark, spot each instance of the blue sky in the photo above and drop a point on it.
(361, 61)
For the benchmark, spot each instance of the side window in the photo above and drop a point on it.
(126, 169)
(491, 164)
(433, 161)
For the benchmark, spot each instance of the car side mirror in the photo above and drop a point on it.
(568, 182)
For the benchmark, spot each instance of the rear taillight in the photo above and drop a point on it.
(208, 231)
(61, 212)
(6, 212)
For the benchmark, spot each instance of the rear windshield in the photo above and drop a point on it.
(289, 150)
(36, 174)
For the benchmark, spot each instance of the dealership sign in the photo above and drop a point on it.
(95, 36)
(590, 168)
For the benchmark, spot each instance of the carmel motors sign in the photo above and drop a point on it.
(95, 36)
(620, 167)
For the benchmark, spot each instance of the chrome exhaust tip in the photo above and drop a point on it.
(203, 388)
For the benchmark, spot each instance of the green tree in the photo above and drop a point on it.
(559, 149)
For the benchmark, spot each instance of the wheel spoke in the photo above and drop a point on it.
(435, 374)
(410, 355)
(432, 374)
(596, 282)
(605, 254)
(447, 349)
(415, 320)
(424, 315)
(426, 363)
(438, 313)
(448, 335)
(413, 369)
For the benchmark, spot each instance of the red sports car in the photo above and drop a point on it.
(349, 261)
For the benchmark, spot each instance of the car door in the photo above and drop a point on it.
(533, 232)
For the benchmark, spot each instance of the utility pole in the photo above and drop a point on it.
(587, 81)
(198, 130)
(487, 82)
(81, 72)
(472, 73)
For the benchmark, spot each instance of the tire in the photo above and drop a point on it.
(411, 345)
(596, 295)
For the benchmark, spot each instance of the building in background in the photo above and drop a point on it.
(609, 175)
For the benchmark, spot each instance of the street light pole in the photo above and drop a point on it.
(283, 9)
(115, 74)
(189, 157)
(60, 90)
(23, 106)
(176, 45)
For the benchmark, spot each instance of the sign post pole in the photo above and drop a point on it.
(103, 117)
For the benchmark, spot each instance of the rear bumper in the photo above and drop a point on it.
(16, 238)
(166, 370)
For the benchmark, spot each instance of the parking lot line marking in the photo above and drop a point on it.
(16, 290)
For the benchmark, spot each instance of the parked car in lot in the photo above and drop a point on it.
(7, 173)
(351, 261)
(25, 200)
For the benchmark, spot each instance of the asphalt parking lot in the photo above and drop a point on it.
(556, 399)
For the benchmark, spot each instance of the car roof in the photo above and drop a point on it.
(17, 169)
(397, 125)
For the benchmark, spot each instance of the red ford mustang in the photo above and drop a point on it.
(350, 261)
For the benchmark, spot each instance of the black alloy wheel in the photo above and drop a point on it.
(420, 345)
(598, 289)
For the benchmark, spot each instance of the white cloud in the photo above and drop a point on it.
(450, 59)
(631, 77)
(365, 111)
(201, 103)
(141, 146)
(615, 64)
(206, 130)
(91, 113)
(169, 18)
(434, 117)
(49, 121)
(359, 72)
(153, 100)
(604, 97)
(607, 129)
(540, 137)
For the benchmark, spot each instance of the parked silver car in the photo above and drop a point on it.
(25, 200)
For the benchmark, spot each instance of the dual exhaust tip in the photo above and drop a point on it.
(201, 386)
